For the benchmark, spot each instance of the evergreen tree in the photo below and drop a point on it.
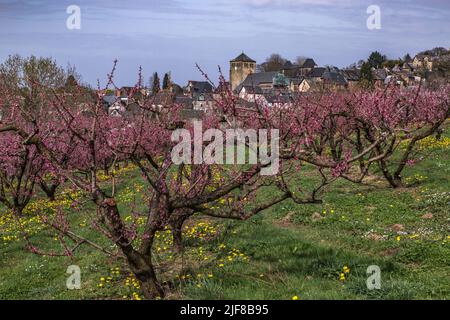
(366, 78)
(167, 83)
(156, 83)
(376, 59)
(407, 58)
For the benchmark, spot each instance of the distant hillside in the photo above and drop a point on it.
(435, 52)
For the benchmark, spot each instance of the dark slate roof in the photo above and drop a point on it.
(316, 72)
(308, 63)
(176, 89)
(289, 65)
(379, 74)
(202, 87)
(255, 79)
(334, 77)
(110, 99)
(260, 77)
(351, 74)
(242, 58)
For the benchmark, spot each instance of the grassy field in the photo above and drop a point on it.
(289, 251)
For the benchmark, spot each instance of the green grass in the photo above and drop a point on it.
(289, 253)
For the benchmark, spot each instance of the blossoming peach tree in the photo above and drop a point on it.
(73, 137)
(401, 118)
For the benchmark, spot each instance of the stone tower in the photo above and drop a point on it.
(240, 68)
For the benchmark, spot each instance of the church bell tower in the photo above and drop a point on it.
(240, 68)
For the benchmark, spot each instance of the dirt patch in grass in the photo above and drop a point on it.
(286, 221)
(390, 252)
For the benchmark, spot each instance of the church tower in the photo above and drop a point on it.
(240, 68)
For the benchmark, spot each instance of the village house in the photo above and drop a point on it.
(162, 99)
(379, 77)
(334, 81)
(305, 66)
(423, 62)
(203, 102)
(409, 66)
(201, 93)
(266, 81)
(250, 93)
(115, 105)
(294, 84)
(195, 88)
(394, 79)
(316, 73)
(311, 85)
(352, 76)
(323, 79)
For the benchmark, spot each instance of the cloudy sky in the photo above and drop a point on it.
(173, 35)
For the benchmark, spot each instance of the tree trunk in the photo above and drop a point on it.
(50, 191)
(397, 182)
(139, 263)
(394, 182)
(177, 232)
(144, 271)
